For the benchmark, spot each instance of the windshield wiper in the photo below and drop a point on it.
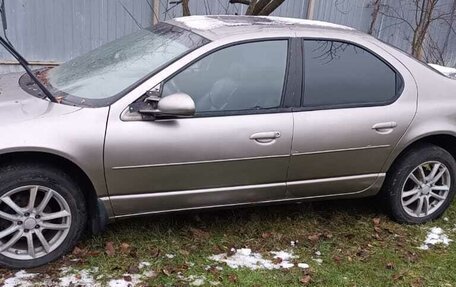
(23, 62)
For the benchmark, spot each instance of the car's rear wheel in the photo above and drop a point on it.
(42, 215)
(421, 185)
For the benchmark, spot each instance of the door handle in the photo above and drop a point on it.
(384, 128)
(265, 137)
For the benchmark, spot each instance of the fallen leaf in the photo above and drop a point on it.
(199, 233)
(314, 237)
(166, 272)
(77, 251)
(127, 278)
(376, 221)
(328, 235)
(110, 250)
(390, 265)
(184, 252)
(133, 269)
(231, 251)
(337, 259)
(266, 235)
(213, 270)
(418, 282)
(232, 278)
(305, 280)
(277, 260)
(124, 248)
(155, 252)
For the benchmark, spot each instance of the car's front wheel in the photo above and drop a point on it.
(42, 215)
(421, 185)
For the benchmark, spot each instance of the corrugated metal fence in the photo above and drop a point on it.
(58, 30)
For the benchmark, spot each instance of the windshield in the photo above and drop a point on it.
(107, 71)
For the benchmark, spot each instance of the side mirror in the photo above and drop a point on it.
(178, 105)
(174, 105)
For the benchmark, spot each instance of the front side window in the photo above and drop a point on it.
(247, 76)
(339, 74)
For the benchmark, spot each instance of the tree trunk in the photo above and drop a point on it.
(252, 5)
(424, 21)
(259, 7)
(185, 8)
(270, 7)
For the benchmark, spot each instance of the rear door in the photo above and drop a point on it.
(356, 105)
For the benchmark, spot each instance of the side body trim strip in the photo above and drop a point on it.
(161, 195)
(339, 150)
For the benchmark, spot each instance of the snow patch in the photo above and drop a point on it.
(133, 280)
(21, 278)
(197, 280)
(76, 278)
(299, 21)
(245, 258)
(448, 71)
(318, 260)
(435, 236)
(143, 264)
(211, 22)
(205, 23)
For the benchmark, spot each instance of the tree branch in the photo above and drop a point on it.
(274, 4)
(245, 2)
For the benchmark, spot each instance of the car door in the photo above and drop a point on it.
(356, 105)
(234, 150)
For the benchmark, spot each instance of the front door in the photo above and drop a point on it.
(235, 149)
(354, 110)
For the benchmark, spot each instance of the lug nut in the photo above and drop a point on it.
(37, 216)
(26, 230)
(37, 226)
(19, 222)
(26, 214)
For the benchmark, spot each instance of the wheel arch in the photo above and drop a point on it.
(446, 141)
(98, 216)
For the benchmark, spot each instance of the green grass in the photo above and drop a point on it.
(356, 250)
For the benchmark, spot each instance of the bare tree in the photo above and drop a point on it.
(418, 17)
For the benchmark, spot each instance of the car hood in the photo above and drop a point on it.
(17, 105)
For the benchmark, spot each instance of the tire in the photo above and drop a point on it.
(401, 188)
(18, 182)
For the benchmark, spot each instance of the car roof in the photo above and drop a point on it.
(214, 27)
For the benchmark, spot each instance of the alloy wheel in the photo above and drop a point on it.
(426, 189)
(34, 221)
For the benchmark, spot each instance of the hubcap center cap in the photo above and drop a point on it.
(425, 190)
(29, 223)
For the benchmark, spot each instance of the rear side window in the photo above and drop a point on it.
(342, 74)
(248, 76)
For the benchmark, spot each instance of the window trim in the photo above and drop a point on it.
(286, 90)
(400, 83)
